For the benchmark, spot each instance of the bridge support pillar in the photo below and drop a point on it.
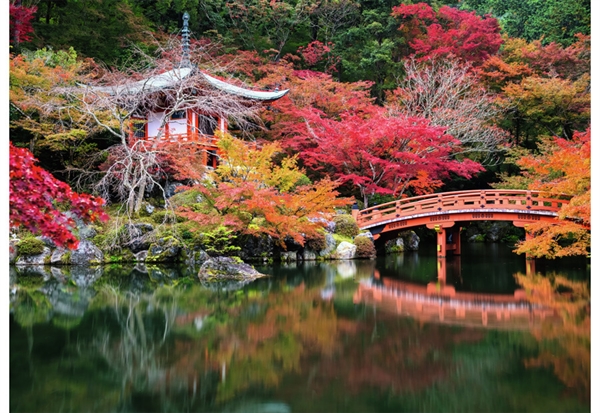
(441, 242)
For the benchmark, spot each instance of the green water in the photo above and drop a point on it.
(154, 339)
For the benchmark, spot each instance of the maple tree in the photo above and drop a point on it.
(448, 32)
(21, 17)
(563, 167)
(38, 201)
(377, 153)
(251, 195)
(545, 89)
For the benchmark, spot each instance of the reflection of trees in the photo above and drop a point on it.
(566, 347)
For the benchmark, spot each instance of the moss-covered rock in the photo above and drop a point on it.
(30, 246)
(166, 249)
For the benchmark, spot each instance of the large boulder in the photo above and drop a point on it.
(227, 268)
(86, 254)
(259, 248)
(330, 245)
(345, 251)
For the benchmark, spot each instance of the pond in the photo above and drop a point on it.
(352, 336)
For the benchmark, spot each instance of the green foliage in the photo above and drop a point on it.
(345, 225)
(364, 247)
(220, 242)
(30, 246)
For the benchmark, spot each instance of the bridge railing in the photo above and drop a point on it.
(479, 200)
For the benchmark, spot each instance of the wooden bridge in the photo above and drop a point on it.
(447, 212)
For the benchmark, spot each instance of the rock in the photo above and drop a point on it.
(330, 245)
(40, 259)
(394, 245)
(60, 256)
(12, 251)
(366, 234)
(226, 268)
(345, 251)
(411, 241)
(171, 189)
(86, 254)
(164, 250)
(308, 255)
(141, 256)
(256, 248)
(288, 256)
(149, 209)
(136, 236)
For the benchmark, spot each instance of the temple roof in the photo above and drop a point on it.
(173, 77)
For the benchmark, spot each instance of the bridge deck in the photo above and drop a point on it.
(449, 205)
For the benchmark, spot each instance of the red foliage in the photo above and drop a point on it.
(377, 153)
(20, 23)
(450, 32)
(36, 197)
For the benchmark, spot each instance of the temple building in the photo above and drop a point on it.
(183, 104)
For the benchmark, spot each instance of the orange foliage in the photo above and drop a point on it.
(562, 167)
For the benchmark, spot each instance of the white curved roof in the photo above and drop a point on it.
(172, 77)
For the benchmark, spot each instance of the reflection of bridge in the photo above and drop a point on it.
(441, 304)
(443, 211)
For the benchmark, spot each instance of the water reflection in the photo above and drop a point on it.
(312, 337)
(565, 347)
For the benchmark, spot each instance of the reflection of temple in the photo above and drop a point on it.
(438, 303)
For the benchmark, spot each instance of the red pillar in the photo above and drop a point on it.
(441, 270)
(441, 242)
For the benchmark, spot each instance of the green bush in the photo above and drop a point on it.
(345, 225)
(364, 247)
(220, 242)
(30, 246)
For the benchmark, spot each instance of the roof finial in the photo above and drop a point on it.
(185, 34)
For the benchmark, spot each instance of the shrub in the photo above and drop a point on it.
(219, 242)
(364, 247)
(30, 246)
(315, 242)
(345, 225)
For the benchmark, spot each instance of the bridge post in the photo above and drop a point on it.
(441, 270)
(454, 239)
(441, 241)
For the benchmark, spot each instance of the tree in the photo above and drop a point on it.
(21, 17)
(448, 31)
(59, 138)
(550, 20)
(378, 153)
(38, 201)
(251, 195)
(545, 89)
(563, 167)
(449, 94)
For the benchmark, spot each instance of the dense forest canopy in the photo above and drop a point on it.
(388, 98)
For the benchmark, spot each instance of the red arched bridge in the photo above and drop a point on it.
(443, 211)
